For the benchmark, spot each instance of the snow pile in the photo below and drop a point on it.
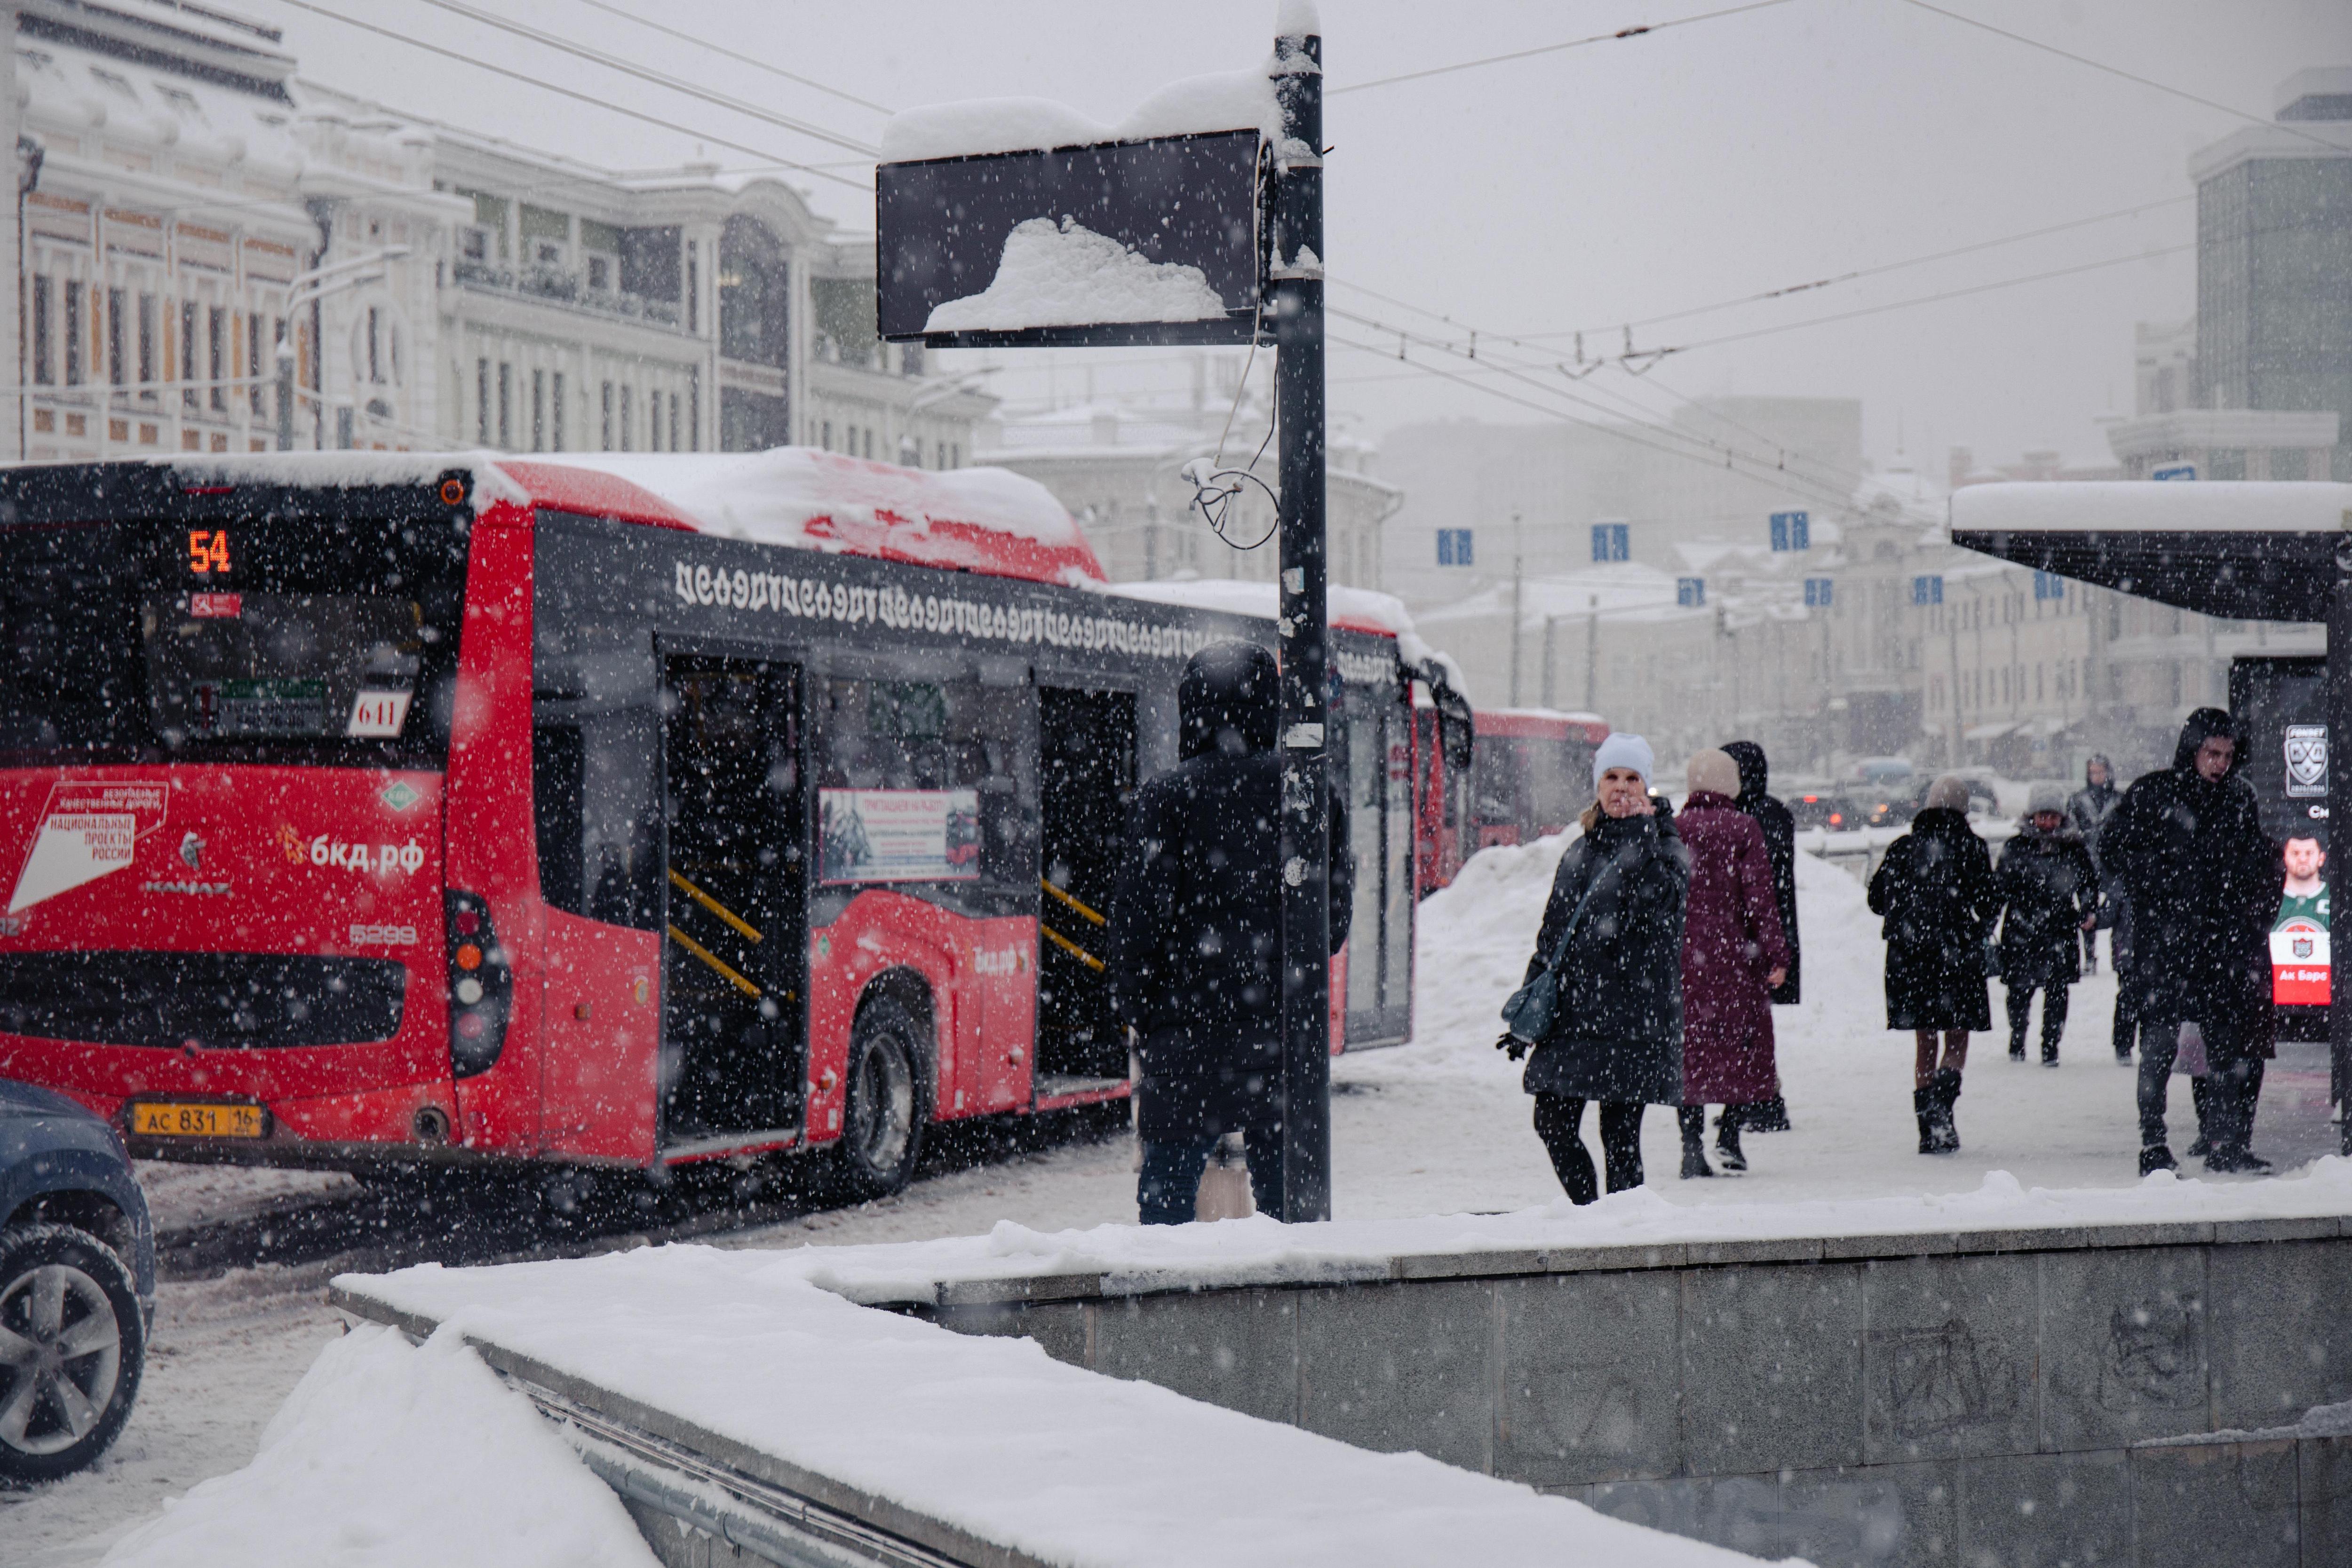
(1069, 276)
(1222, 100)
(392, 1454)
(990, 1435)
(1263, 1251)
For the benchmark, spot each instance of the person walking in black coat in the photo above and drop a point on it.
(2048, 895)
(2204, 884)
(2087, 811)
(1780, 830)
(1196, 934)
(1613, 934)
(1935, 889)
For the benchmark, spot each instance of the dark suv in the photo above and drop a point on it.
(77, 1284)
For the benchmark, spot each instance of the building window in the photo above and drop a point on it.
(73, 335)
(118, 368)
(626, 432)
(188, 399)
(2227, 462)
(555, 409)
(505, 406)
(694, 412)
(42, 363)
(673, 421)
(482, 401)
(826, 438)
(607, 442)
(216, 351)
(653, 421)
(253, 360)
(694, 286)
(148, 375)
(538, 411)
(2290, 463)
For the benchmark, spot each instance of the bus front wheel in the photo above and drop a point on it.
(882, 1126)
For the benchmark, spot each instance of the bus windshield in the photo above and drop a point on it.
(319, 640)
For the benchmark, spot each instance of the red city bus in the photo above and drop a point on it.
(1529, 774)
(634, 810)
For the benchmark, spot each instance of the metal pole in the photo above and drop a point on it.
(1298, 278)
(2339, 808)
(1519, 583)
(1550, 673)
(1592, 653)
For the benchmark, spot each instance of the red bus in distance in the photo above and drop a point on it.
(622, 809)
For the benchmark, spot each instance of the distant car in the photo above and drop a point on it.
(77, 1284)
(1894, 810)
(1836, 813)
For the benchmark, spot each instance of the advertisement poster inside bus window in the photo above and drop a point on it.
(2282, 702)
(900, 835)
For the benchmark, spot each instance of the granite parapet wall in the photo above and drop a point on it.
(2121, 1394)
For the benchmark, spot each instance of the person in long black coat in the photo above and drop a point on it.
(1617, 901)
(1935, 889)
(1195, 962)
(2204, 883)
(2048, 894)
(1780, 829)
(2088, 810)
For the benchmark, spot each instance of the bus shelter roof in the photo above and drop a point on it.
(2253, 552)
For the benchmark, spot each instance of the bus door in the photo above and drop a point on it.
(734, 923)
(1087, 750)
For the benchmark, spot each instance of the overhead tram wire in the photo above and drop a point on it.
(726, 101)
(1622, 33)
(1528, 340)
(684, 37)
(1794, 484)
(2106, 70)
(579, 97)
(1534, 377)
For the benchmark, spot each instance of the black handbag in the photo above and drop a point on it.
(1532, 1011)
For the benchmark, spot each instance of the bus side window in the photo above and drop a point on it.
(593, 792)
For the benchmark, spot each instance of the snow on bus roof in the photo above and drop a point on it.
(987, 520)
(2146, 506)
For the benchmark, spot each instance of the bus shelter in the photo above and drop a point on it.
(2266, 551)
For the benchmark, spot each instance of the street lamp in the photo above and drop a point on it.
(309, 288)
(935, 392)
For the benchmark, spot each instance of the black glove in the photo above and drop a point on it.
(1512, 1045)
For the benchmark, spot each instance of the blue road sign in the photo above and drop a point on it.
(1609, 542)
(1793, 531)
(2174, 471)
(1690, 593)
(1927, 590)
(1453, 546)
(1817, 591)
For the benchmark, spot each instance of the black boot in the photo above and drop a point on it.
(1766, 1115)
(2201, 1094)
(2157, 1157)
(1727, 1143)
(1923, 1101)
(1947, 1090)
(1693, 1122)
(2049, 1052)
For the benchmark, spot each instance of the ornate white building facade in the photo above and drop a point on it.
(184, 200)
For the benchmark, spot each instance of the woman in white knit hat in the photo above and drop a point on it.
(1612, 936)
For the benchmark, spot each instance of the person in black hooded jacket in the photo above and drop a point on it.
(1196, 935)
(2204, 882)
(1935, 889)
(1780, 829)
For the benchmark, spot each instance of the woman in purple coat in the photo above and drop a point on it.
(1734, 953)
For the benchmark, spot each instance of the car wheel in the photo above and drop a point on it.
(882, 1127)
(72, 1343)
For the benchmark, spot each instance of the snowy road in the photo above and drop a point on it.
(1433, 1127)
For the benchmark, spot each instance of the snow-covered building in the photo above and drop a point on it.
(1119, 469)
(187, 197)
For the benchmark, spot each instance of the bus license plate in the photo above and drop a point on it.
(198, 1120)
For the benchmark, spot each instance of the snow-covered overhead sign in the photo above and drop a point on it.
(1020, 222)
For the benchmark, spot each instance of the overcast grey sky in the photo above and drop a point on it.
(1578, 189)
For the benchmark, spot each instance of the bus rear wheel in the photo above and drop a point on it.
(882, 1125)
